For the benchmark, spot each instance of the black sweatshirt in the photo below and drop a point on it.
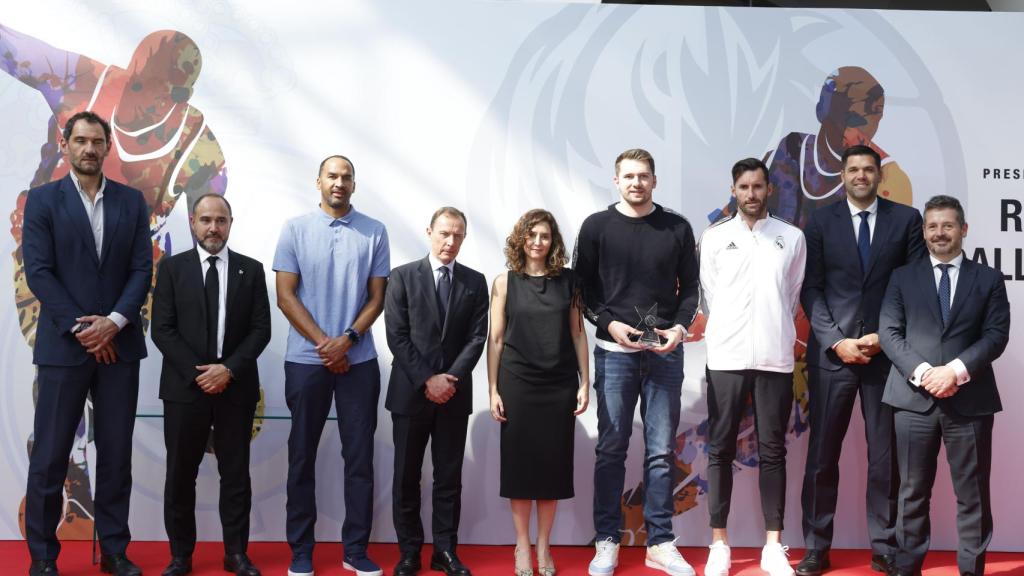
(623, 263)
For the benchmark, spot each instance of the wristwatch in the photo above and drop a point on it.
(352, 334)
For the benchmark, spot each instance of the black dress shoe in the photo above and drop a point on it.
(884, 563)
(815, 562)
(449, 563)
(179, 566)
(240, 565)
(118, 565)
(41, 567)
(409, 565)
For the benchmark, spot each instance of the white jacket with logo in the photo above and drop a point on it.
(750, 282)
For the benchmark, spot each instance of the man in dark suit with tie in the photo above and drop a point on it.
(435, 311)
(89, 260)
(944, 321)
(852, 249)
(211, 321)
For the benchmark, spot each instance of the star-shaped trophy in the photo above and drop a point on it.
(649, 320)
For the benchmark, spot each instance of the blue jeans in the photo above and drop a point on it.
(619, 380)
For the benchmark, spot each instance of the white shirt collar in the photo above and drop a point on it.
(759, 224)
(78, 186)
(870, 209)
(956, 262)
(435, 264)
(203, 254)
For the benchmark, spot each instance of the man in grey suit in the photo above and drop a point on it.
(943, 322)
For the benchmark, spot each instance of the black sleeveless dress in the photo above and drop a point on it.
(537, 381)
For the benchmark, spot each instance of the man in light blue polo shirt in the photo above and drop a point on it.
(332, 267)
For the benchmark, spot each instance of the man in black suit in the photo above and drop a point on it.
(944, 321)
(852, 249)
(89, 260)
(435, 311)
(211, 321)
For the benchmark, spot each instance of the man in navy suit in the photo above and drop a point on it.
(435, 312)
(944, 321)
(89, 260)
(852, 249)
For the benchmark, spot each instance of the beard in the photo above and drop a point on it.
(753, 210)
(91, 169)
(212, 244)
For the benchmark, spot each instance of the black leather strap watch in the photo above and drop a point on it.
(352, 335)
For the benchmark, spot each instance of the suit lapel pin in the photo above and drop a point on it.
(241, 271)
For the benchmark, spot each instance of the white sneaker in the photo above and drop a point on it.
(606, 558)
(666, 557)
(775, 560)
(719, 560)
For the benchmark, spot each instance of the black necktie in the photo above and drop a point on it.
(212, 308)
(444, 288)
(945, 293)
(864, 241)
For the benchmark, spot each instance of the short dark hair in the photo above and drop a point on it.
(455, 212)
(942, 202)
(748, 165)
(213, 195)
(89, 118)
(345, 158)
(638, 154)
(862, 150)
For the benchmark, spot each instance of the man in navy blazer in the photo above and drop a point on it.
(435, 312)
(852, 248)
(944, 321)
(89, 260)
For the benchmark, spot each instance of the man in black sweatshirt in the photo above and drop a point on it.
(637, 268)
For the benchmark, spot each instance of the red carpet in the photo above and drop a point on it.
(272, 558)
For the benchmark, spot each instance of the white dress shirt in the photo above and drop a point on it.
(222, 285)
(855, 214)
(94, 211)
(962, 376)
(436, 265)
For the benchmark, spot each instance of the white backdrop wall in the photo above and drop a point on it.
(498, 107)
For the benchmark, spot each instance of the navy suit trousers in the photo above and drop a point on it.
(114, 390)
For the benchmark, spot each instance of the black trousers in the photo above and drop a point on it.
(114, 389)
(968, 443)
(446, 431)
(772, 394)
(831, 398)
(186, 431)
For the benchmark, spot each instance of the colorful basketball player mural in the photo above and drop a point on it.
(161, 145)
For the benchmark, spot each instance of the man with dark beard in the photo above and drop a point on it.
(209, 378)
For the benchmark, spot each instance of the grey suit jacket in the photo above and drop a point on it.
(911, 332)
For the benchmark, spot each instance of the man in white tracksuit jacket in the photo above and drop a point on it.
(751, 271)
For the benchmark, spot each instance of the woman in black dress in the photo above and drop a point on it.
(539, 374)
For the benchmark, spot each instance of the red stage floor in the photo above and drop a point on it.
(272, 558)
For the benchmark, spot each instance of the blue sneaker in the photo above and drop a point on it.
(362, 566)
(302, 564)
